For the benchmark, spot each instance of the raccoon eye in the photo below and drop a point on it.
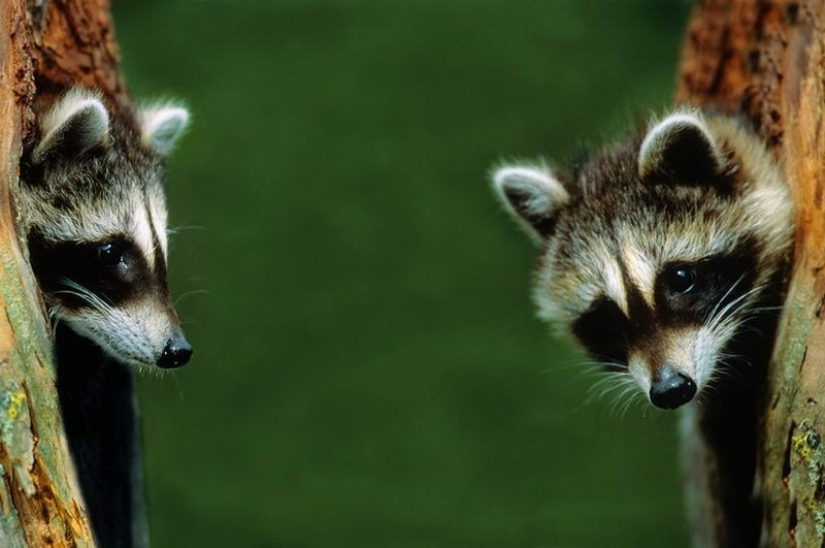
(110, 254)
(680, 278)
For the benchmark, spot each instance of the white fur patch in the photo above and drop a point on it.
(680, 351)
(161, 126)
(642, 272)
(614, 286)
(693, 352)
(78, 116)
(142, 233)
(658, 138)
(538, 193)
(158, 216)
(640, 370)
(136, 335)
(544, 190)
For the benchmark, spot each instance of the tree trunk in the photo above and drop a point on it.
(45, 45)
(765, 59)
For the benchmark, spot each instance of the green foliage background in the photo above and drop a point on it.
(368, 370)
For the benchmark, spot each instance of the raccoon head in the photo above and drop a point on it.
(659, 252)
(92, 206)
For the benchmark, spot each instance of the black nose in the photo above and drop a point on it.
(671, 389)
(176, 352)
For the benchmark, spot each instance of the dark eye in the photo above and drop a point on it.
(110, 254)
(680, 278)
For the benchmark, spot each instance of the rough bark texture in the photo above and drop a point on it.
(766, 60)
(43, 47)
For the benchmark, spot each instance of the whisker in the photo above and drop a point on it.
(725, 296)
(189, 294)
(94, 300)
(182, 228)
(734, 306)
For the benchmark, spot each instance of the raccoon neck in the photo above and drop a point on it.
(722, 444)
(100, 415)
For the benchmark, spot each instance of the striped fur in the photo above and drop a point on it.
(93, 210)
(689, 190)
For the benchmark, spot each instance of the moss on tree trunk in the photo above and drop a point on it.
(44, 47)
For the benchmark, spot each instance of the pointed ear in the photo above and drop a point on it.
(680, 148)
(76, 123)
(533, 195)
(162, 126)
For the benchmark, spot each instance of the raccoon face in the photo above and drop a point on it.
(661, 252)
(93, 208)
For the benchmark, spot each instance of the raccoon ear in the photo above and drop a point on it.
(75, 124)
(533, 195)
(682, 149)
(162, 126)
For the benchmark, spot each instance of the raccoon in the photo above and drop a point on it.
(91, 206)
(665, 257)
(658, 252)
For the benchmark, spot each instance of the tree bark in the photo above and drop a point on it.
(45, 46)
(765, 60)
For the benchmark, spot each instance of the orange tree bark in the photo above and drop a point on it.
(765, 59)
(44, 46)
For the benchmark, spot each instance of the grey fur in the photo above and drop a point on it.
(624, 217)
(667, 258)
(92, 207)
(96, 177)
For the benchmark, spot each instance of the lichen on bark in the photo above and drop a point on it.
(46, 46)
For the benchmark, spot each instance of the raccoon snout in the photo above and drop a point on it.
(671, 389)
(176, 352)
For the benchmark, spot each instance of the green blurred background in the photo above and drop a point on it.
(368, 370)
